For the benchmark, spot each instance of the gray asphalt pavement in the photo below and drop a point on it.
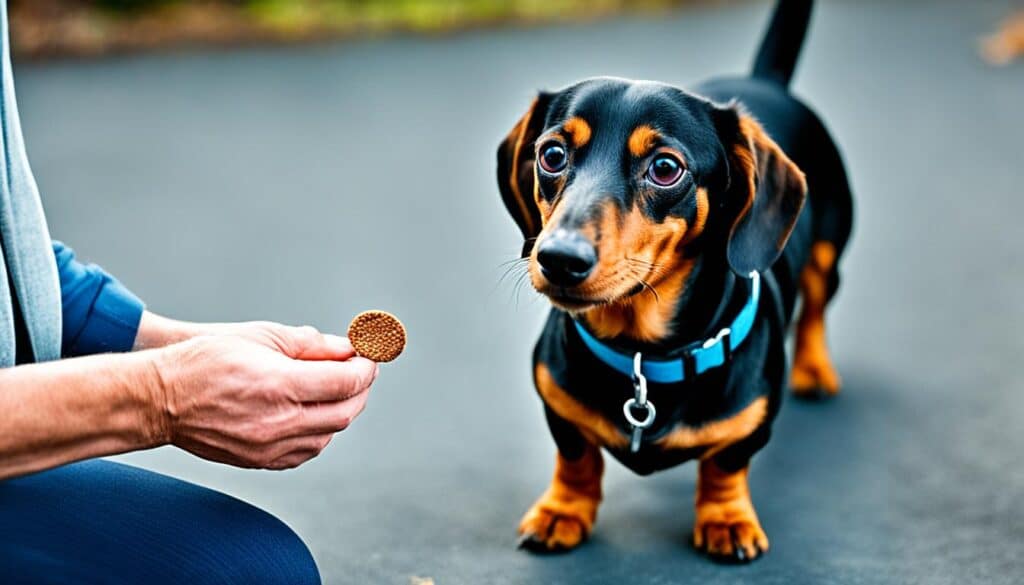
(306, 184)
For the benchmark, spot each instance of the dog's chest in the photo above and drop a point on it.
(692, 419)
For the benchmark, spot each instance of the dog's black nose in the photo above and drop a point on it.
(566, 258)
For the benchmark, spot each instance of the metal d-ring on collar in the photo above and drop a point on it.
(639, 402)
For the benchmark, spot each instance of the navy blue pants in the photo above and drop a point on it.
(103, 522)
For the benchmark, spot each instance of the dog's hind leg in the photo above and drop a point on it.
(813, 370)
(831, 205)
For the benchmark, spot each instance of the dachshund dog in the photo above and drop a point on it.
(672, 231)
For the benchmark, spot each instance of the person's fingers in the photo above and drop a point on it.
(331, 417)
(322, 346)
(217, 454)
(295, 452)
(330, 381)
(291, 460)
(306, 343)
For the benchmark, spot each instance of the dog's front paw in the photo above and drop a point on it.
(729, 532)
(553, 526)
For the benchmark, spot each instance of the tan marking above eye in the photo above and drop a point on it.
(642, 140)
(579, 130)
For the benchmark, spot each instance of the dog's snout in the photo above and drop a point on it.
(566, 258)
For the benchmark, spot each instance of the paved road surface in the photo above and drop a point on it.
(306, 184)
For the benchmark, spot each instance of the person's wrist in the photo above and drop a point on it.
(157, 372)
(157, 331)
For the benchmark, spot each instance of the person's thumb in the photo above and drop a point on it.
(306, 343)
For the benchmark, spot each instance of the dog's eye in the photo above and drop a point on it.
(665, 170)
(552, 157)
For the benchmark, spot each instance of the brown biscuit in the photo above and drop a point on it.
(377, 335)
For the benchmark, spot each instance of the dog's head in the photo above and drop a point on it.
(618, 186)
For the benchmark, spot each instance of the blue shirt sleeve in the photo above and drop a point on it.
(100, 315)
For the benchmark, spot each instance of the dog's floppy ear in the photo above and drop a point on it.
(766, 187)
(516, 173)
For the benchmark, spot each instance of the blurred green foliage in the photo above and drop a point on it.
(428, 14)
(92, 27)
(414, 13)
(128, 5)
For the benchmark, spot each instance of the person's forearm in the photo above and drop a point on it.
(156, 331)
(58, 412)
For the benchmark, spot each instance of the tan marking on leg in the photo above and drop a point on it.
(813, 370)
(565, 514)
(726, 525)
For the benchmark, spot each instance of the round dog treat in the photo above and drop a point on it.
(377, 335)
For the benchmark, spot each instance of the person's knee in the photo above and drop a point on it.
(90, 514)
(221, 539)
(291, 558)
(231, 541)
(259, 548)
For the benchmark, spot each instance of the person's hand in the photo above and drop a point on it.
(263, 396)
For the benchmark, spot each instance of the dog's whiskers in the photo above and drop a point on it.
(516, 268)
(512, 266)
(647, 286)
(654, 269)
(517, 286)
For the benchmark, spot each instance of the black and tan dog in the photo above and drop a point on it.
(673, 232)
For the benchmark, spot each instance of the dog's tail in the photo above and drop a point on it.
(780, 49)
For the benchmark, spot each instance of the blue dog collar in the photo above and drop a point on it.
(713, 353)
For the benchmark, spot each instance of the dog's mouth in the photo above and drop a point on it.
(573, 300)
